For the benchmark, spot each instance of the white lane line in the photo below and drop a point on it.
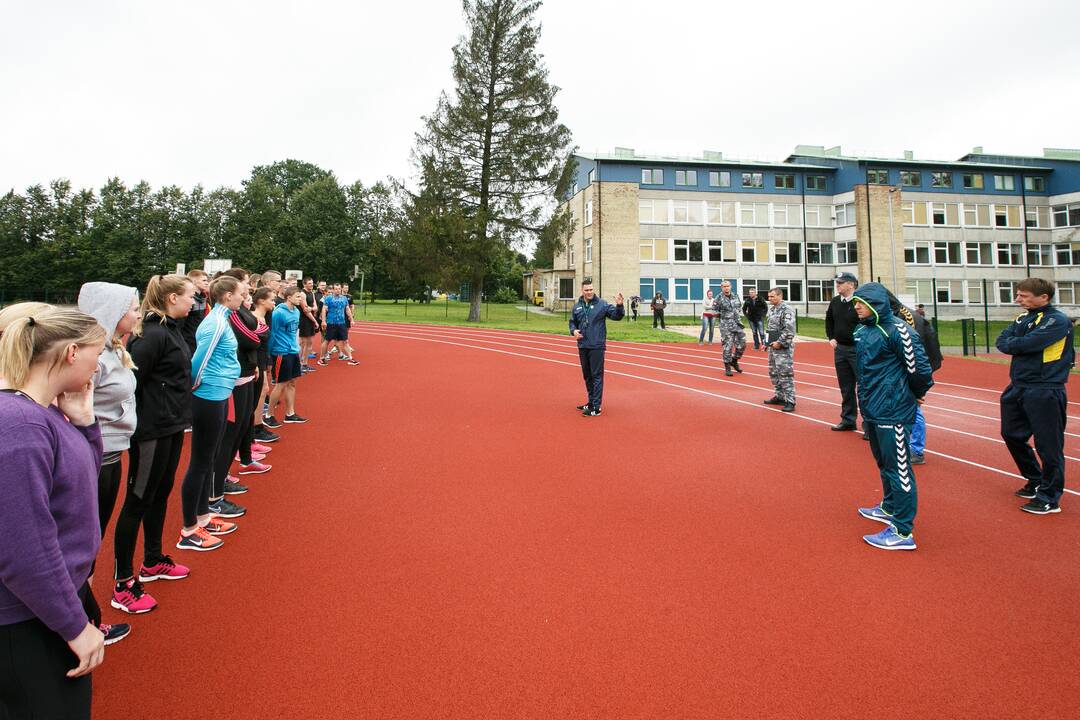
(380, 333)
(944, 428)
(541, 346)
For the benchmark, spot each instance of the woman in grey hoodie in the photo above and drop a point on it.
(116, 308)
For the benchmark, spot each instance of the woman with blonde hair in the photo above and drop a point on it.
(50, 450)
(163, 407)
(14, 312)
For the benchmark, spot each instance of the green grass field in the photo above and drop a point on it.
(511, 317)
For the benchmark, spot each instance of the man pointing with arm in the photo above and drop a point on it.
(588, 325)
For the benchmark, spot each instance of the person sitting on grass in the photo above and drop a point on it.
(894, 375)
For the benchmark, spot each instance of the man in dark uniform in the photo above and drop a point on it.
(588, 324)
(1034, 404)
(840, 323)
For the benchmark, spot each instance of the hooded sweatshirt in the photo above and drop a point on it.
(114, 384)
(890, 361)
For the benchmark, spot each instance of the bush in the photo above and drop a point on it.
(505, 295)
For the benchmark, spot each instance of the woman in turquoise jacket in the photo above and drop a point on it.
(894, 375)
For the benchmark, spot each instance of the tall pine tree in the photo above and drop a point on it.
(495, 143)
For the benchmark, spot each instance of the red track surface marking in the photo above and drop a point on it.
(448, 538)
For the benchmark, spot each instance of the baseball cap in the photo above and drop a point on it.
(845, 277)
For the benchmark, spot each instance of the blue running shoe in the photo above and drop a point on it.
(312, 356)
(876, 513)
(889, 539)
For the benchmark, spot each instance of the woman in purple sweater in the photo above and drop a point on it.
(49, 532)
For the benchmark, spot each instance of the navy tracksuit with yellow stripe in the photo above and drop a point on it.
(1041, 345)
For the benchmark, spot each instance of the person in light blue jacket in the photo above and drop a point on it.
(214, 371)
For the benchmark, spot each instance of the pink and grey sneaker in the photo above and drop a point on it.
(129, 597)
(256, 456)
(199, 540)
(255, 468)
(114, 633)
(260, 448)
(163, 569)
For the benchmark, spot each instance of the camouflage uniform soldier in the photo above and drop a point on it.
(728, 307)
(780, 339)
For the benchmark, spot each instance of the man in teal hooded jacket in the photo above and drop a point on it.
(894, 375)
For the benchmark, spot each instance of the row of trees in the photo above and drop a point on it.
(491, 159)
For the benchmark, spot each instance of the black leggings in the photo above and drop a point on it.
(33, 663)
(207, 426)
(151, 473)
(108, 483)
(236, 432)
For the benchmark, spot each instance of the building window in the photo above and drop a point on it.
(682, 288)
(1067, 253)
(913, 213)
(588, 213)
(974, 292)
(950, 291)
(653, 211)
(784, 181)
(571, 256)
(979, 253)
(946, 253)
(1007, 216)
(911, 178)
(688, 250)
(588, 250)
(941, 180)
(847, 253)
(845, 214)
(917, 252)
(754, 214)
(753, 180)
(566, 288)
(785, 215)
(815, 182)
(652, 176)
(787, 252)
(574, 189)
(1035, 184)
(720, 213)
(1066, 293)
(819, 253)
(921, 289)
(814, 215)
(819, 290)
(877, 177)
(792, 289)
(1010, 253)
(1006, 292)
(654, 250)
(974, 181)
(976, 215)
(1004, 182)
(686, 177)
(1037, 217)
(747, 251)
(1041, 254)
(945, 213)
(592, 176)
(719, 178)
(686, 212)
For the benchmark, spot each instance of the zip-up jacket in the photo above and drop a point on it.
(245, 328)
(728, 308)
(755, 309)
(890, 362)
(114, 384)
(190, 324)
(780, 325)
(922, 326)
(591, 320)
(1041, 345)
(162, 378)
(214, 367)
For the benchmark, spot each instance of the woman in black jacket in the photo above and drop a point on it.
(163, 408)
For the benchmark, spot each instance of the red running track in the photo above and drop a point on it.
(448, 538)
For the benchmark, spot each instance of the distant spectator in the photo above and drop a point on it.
(755, 310)
(658, 304)
(708, 313)
(634, 301)
(920, 310)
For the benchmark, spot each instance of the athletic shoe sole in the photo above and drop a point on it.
(247, 471)
(228, 516)
(1051, 511)
(121, 608)
(180, 546)
(236, 492)
(230, 531)
(296, 422)
(152, 578)
(117, 639)
(890, 547)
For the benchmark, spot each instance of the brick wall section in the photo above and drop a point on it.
(885, 253)
(617, 267)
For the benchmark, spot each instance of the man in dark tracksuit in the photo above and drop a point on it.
(840, 324)
(1034, 403)
(894, 375)
(588, 323)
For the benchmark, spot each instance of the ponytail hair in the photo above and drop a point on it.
(20, 310)
(43, 336)
(156, 298)
(221, 286)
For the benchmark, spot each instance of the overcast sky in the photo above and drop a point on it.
(199, 92)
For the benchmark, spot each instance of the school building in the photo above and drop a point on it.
(953, 232)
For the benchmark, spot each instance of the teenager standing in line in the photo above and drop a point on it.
(163, 408)
(262, 304)
(50, 450)
(214, 371)
(199, 307)
(309, 324)
(285, 356)
(15, 312)
(116, 308)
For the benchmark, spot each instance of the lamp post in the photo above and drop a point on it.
(892, 243)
